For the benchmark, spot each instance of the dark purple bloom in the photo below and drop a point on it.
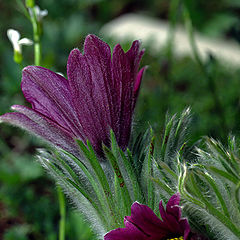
(100, 94)
(143, 224)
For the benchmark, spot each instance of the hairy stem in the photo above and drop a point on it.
(62, 208)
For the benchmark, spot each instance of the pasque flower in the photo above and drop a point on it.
(143, 224)
(99, 94)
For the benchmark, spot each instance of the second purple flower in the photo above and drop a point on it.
(100, 94)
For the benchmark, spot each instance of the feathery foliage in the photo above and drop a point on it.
(211, 188)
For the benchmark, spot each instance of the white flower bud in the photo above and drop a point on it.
(40, 14)
(14, 37)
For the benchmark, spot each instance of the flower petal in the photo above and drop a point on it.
(86, 98)
(130, 232)
(186, 227)
(14, 37)
(49, 94)
(125, 71)
(25, 41)
(172, 206)
(121, 68)
(172, 216)
(135, 55)
(137, 85)
(45, 128)
(98, 57)
(145, 219)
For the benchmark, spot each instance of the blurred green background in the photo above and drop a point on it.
(28, 198)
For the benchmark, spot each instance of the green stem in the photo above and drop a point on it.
(62, 208)
(37, 53)
(168, 64)
(36, 37)
(209, 77)
(173, 13)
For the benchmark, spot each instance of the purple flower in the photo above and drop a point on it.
(143, 224)
(100, 94)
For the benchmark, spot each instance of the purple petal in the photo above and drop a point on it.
(100, 93)
(130, 232)
(123, 78)
(171, 216)
(40, 125)
(126, 81)
(145, 219)
(135, 55)
(84, 93)
(98, 57)
(49, 94)
(172, 206)
(137, 85)
(186, 227)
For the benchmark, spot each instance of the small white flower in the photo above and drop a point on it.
(14, 37)
(40, 14)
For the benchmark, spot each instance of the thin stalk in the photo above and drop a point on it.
(62, 208)
(167, 66)
(173, 16)
(209, 77)
(36, 38)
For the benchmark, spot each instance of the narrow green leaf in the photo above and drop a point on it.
(163, 165)
(138, 194)
(182, 186)
(150, 188)
(163, 186)
(222, 156)
(237, 196)
(226, 221)
(222, 173)
(214, 186)
(62, 177)
(128, 167)
(93, 160)
(68, 169)
(166, 137)
(123, 188)
(95, 185)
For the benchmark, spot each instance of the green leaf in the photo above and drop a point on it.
(94, 162)
(121, 182)
(101, 197)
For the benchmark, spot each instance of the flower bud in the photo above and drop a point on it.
(17, 43)
(29, 3)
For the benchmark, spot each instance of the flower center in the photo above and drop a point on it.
(178, 238)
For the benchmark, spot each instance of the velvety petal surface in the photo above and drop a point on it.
(126, 82)
(137, 85)
(130, 232)
(50, 95)
(122, 76)
(87, 100)
(143, 217)
(172, 217)
(105, 90)
(42, 126)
